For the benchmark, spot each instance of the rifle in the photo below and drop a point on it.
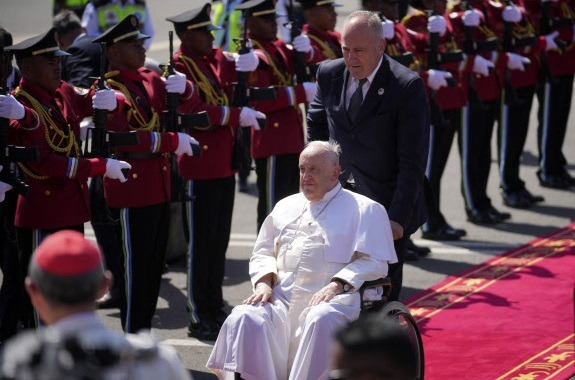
(100, 142)
(12, 153)
(302, 72)
(549, 24)
(435, 58)
(176, 122)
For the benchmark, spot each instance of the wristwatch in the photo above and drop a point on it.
(346, 287)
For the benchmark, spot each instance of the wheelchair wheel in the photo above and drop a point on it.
(399, 313)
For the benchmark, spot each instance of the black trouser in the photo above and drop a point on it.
(440, 142)
(246, 164)
(278, 177)
(475, 142)
(512, 133)
(144, 232)
(209, 219)
(28, 241)
(105, 229)
(11, 292)
(396, 270)
(553, 114)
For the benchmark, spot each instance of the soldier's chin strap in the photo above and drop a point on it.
(46, 355)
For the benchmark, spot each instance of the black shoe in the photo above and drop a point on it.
(202, 331)
(516, 199)
(411, 255)
(481, 217)
(532, 198)
(496, 214)
(420, 251)
(243, 185)
(443, 232)
(552, 181)
(567, 178)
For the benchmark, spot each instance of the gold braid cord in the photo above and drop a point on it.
(134, 113)
(61, 142)
(325, 49)
(203, 83)
(285, 81)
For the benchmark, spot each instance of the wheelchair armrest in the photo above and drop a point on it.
(369, 305)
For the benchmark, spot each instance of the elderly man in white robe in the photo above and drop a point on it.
(313, 253)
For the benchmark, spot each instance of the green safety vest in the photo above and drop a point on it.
(74, 3)
(231, 26)
(110, 14)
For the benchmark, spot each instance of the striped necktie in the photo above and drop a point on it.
(355, 101)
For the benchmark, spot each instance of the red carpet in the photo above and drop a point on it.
(511, 317)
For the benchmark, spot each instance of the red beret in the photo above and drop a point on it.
(67, 253)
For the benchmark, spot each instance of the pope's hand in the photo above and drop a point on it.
(262, 293)
(325, 294)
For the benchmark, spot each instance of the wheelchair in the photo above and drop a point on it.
(394, 310)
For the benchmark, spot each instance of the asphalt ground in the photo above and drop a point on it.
(26, 18)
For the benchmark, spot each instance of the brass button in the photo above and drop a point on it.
(47, 192)
(164, 168)
(135, 175)
(205, 147)
(276, 124)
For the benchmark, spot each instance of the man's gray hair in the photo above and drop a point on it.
(371, 20)
(331, 147)
(60, 290)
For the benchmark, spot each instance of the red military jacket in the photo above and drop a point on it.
(405, 41)
(212, 76)
(327, 43)
(447, 97)
(489, 87)
(560, 62)
(143, 111)
(524, 28)
(284, 132)
(58, 191)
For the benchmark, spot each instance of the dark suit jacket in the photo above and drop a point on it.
(386, 148)
(82, 64)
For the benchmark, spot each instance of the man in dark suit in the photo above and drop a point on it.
(385, 138)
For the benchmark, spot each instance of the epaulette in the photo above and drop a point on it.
(415, 13)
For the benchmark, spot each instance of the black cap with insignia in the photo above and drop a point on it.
(44, 44)
(258, 8)
(194, 19)
(125, 31)
(308, 4)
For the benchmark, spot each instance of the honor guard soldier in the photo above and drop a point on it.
(142, 204)
(555, 25)
(321, 18)
(46, 112)
(447, 102)
(276, 148)
(516, 33)
(210, 178)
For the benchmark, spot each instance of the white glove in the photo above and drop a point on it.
(471, 17)
(4, 187)
(248, 118)
(301, 43)
(549, 41)
(185, 142)
(310, 90)
(114, 169)
(388, 29)
(482, 65)
(511, 14)
(85, 124)
(247, 62)
(176, 83)
(104, 100)
(437, 79)
(436, 24)
(517, 62)
(10, 108)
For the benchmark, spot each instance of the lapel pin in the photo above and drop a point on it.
(380, 91)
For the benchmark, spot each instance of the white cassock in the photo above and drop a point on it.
(345, 235)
